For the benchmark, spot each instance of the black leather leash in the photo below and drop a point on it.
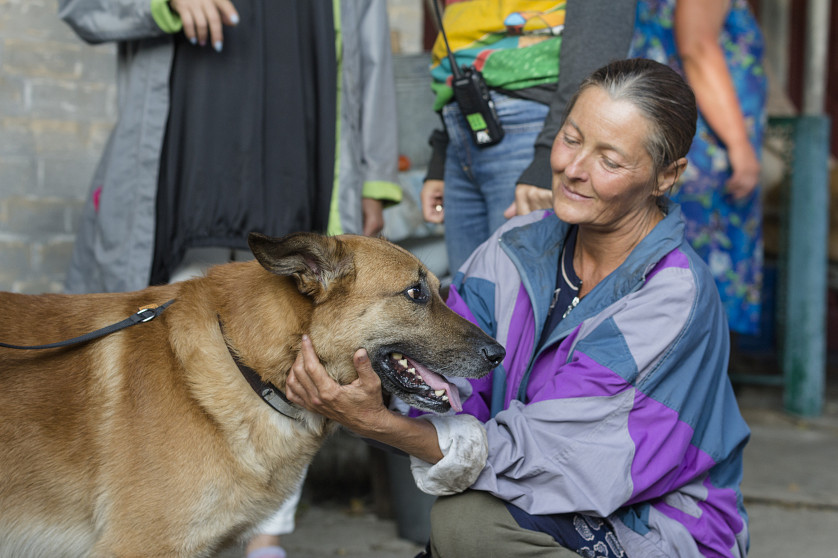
(141, 317)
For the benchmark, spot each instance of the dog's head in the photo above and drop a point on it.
(369, 293)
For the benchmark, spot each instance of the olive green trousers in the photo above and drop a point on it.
(475, 524)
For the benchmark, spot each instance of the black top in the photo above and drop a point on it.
(566, 294)
(250, 140)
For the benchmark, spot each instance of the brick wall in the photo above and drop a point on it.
(57, 106)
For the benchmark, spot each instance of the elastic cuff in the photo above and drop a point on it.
(164, 17)
(389, 193)
(465, 449)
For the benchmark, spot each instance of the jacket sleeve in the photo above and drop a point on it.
(100, 21)
(596, 32)
(379, 117)
(611, 414)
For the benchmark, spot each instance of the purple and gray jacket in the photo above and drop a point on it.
(627, 412)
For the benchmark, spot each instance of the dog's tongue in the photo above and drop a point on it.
(438, 382)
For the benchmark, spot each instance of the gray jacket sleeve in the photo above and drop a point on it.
(378, 126)
(596, 32)
(100, 21)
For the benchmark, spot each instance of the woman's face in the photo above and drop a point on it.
(602, 174)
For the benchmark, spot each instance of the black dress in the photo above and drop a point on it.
(250, 139)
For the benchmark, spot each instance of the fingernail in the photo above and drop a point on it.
(305, 337)
(193, 40)
(235, 19)
(217, 45)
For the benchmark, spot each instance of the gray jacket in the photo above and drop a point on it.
(115, 240)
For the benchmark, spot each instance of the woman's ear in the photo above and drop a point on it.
(669, 176)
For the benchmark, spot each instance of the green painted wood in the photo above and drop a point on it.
(804, 273)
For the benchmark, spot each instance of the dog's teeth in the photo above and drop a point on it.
(403, 362)
(439, 392)
(397, 356)
(412, 371)
(444, 398)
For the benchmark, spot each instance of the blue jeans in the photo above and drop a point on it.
(480, 182)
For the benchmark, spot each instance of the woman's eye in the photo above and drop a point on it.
(416, 293)
(609, 163)
(570, 140)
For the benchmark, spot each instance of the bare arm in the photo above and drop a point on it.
(358, 406)
(697, 27)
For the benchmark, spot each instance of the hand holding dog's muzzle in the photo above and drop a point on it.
(354, 405)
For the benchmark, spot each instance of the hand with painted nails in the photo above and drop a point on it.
(204, 19)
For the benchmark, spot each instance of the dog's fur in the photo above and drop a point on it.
(149, 441)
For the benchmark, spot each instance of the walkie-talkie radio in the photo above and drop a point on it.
(472, 96)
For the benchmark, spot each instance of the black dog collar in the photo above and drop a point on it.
(269, 393)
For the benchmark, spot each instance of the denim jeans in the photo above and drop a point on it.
(480, 182)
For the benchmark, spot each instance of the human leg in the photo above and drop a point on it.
(466, 225)
(266, 544)
(475, 524)
(480, 182)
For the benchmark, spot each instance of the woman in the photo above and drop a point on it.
(611, 426)
(717, 46)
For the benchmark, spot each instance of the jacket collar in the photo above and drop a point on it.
(535, 249)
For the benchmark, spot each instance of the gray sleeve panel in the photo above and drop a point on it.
(99, 21)
(560, 456)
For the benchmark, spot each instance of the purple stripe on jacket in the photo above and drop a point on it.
(676, 258)
(715, 529)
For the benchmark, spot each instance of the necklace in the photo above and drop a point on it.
(574, 288)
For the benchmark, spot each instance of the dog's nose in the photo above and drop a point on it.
(494, 353)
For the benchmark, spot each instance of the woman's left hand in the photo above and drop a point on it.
(373, 211)
(357, 406)
(746, 170)
(528, 198)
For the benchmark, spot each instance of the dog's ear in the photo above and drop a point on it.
(314, 261)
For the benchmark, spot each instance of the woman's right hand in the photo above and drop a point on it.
(432, 197)
(204, 18)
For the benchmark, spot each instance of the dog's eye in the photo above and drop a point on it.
(416, 293)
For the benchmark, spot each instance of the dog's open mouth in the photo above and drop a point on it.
(423, 383)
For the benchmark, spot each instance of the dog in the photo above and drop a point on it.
(153, 441)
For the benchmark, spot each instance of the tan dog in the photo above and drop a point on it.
(150, 441)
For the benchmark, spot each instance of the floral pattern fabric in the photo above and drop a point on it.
(726, 233)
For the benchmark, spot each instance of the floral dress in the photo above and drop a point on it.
(726, 233)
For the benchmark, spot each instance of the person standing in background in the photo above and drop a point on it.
(269, 116)
(718, 47)
(226, 131)
(533, 55)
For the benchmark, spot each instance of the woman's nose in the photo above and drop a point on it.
(576, 166)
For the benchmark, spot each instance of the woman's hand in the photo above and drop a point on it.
(746, 170)
(358, 406)
(432, 196)
(204, 18)
(373, 211)
(528, 198)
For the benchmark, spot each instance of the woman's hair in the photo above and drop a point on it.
(660, 94)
